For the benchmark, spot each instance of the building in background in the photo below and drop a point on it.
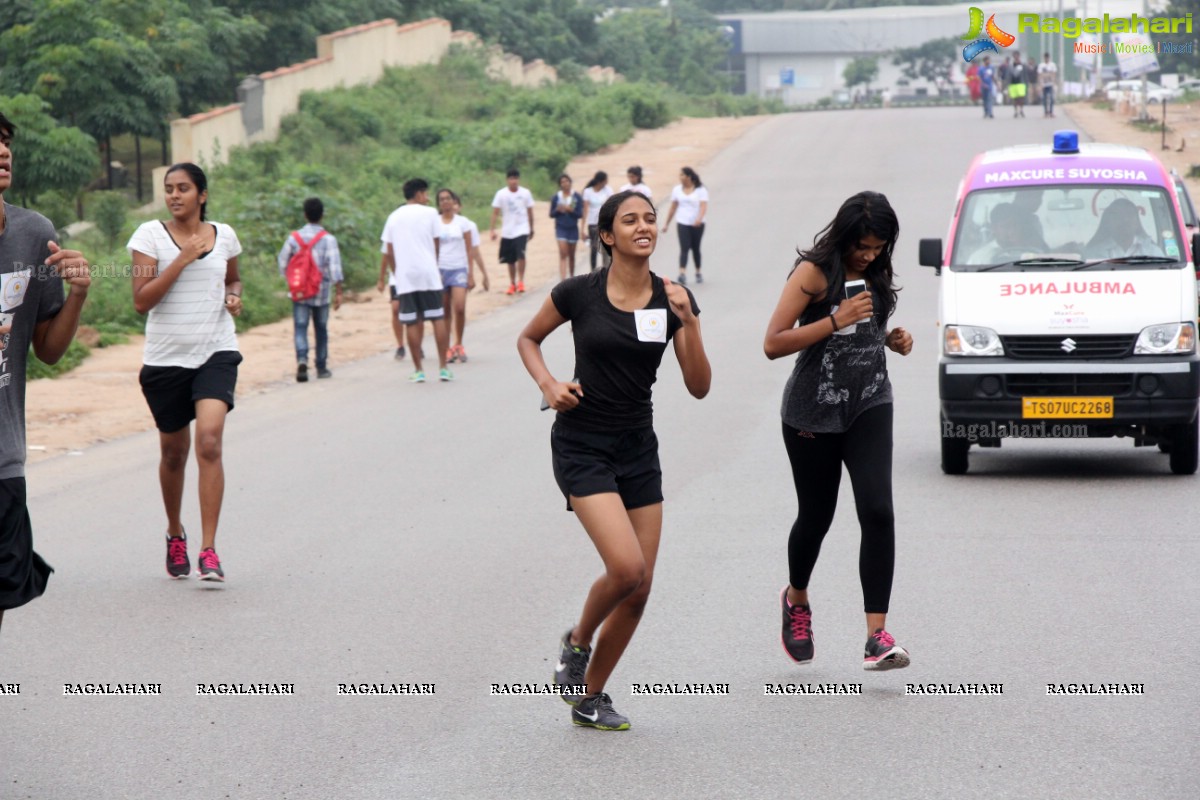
(800, 56)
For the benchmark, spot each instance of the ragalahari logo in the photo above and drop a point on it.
(984, 37)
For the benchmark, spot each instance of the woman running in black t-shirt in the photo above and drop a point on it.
(605, 453)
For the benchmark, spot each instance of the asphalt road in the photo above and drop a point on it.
(380, 532)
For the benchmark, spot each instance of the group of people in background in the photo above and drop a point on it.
(570, 209)
(1013, 81)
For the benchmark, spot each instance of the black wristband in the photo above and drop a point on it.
(834, 321)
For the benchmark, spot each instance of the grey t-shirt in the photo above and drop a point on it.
(839, 377)
(31, 293)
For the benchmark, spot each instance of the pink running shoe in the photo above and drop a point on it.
(178, 566)
(882, 652)
(797, 635)
(210, 566)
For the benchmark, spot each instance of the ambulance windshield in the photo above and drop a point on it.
(1065, 226)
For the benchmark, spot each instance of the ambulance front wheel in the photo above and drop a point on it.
(1183, 448)
(954, 453)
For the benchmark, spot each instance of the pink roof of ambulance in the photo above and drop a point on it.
(1035, 164)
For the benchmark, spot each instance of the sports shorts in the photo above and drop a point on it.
(590, 462)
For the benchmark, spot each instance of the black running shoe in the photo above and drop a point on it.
(210, 566)
(882, 652)
(797, 635)
(178, 566)
(400, 354)
(596, 711)
(571, 669)
(301, 373)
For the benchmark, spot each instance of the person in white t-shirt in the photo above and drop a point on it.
(411, 235)
(514, 203)
(634, 174)
(689, 206)
(185, 279)
(594, 195)
(458, 247)
(1047, 77)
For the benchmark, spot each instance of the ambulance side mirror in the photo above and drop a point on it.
(929, 254)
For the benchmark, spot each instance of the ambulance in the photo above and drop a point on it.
(1067, 302)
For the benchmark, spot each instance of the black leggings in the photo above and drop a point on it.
(689, 239)
(817, 458)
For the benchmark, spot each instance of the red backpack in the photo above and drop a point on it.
(303, 274)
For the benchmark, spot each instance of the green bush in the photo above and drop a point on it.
(56, 207)
(108, 211)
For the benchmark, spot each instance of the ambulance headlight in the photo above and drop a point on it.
(1170, 339)
(969, 340)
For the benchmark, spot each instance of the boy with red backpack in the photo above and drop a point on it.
(311, 264)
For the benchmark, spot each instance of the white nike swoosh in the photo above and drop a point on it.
(561, 666)
(595, 715)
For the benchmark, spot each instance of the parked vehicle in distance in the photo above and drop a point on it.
(1132, 88)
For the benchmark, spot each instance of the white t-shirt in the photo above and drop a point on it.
(411, 230)
(452, 247)
(1047, 73)
(594, 200)
(475, 240)
(514, 211)
(640, 188)
(190, 323)
(689, 204)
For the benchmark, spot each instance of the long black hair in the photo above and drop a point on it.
(199, 179)
(600, 177)
(608, 214)
(692, 176)
(866, 213)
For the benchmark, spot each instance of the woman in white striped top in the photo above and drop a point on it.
(185, 279)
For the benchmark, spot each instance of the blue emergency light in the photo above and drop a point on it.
(1066, 142)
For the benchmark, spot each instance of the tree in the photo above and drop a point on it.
(861, 71)
(109, 212)
(1186, 63)
(680, 45)
(934, 60)
(94, 74)
(46, 156)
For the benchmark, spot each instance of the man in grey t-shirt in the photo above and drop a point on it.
(33, 312)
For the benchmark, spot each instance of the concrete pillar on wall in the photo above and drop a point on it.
(250, 95)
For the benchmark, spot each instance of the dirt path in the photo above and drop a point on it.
(101, 400)
(1183, 134)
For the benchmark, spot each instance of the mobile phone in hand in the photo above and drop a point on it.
(855, 287)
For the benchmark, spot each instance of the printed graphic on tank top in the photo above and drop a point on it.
(838, 377)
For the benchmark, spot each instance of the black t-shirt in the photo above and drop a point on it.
(617, 353)
(1016, 74)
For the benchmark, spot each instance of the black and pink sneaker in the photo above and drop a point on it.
(797, 635)
(178, 566)
(882, 652)
(210, 566)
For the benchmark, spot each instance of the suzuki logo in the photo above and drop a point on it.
(1068, 345)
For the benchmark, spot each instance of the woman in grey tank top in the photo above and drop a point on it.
(837, 408)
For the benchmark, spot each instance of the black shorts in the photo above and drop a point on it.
(395, 295)
(172, 392)
(625, 462)
(512, 250)
(419, 306)
(23, 573)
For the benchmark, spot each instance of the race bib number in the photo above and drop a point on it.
(12, 288)
(651, 324)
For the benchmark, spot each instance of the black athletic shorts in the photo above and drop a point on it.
(394, 293)
(625, 462)
(23, 573)
(512, 250)
(419, 306)
(172, 392)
